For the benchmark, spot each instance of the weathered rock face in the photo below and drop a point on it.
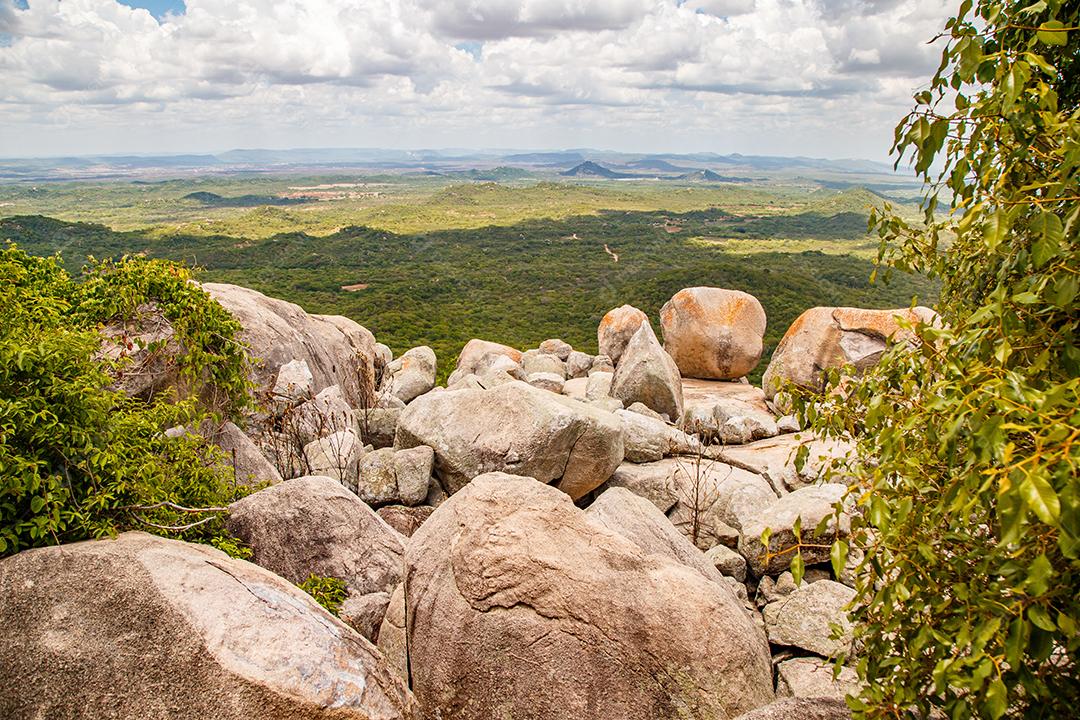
(337, 350)
(378, 425)
(294, 383)
(648, 375)
(520, 607)
(249, 465)
(395, 476)
(578, 364)
(616, 328)
(556, 347)
(806, 677)
(727, 562)
(812, 504)
(145, 628)
(469, 361)
(648, 439)
(804, 619)
(712, 332)
(535, 361)
(638, 520)
(412, 374)
(514, 428)
(403, 518)
(655, 481)
(337, 456)
(313, 525)
(774, 460)
(829, 337)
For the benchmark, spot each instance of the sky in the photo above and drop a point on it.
(821, 78)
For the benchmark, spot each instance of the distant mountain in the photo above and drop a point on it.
(544, 158)
(710, 176)
(652, 163)
(591, 169)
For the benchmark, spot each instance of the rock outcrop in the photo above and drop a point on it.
(519, 607)
(616, 328)
(514, 428)
(830, 337)
(144, 628)
(713, 332)
(411, 375)
(337, 350)
(647, 374)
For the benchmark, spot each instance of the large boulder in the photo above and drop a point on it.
(616, 328)
(337, 456)
(638, 520)
(713, 332)
(514, 428)
(314, 526)
(648, 375)
(520, 607)
(337, 350)
(806, 618)
(830, 337)
(144, 628)
(809, 677)
(411, 375)
(809, 506)
(654, 481)
(472, 355)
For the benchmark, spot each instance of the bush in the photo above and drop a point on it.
(327, 591)
(77, 459)
(968, 601)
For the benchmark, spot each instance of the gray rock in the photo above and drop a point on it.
(391, 476)
(337, 350)
(534, 361)
(393, 643)
(606, 404)
(552, 382)
(804, 619)
(761, 423)
(472, 355)
(770, 590)
(556, 347)
(294, 382)
(337, 456)
(364, 613)
(514, 428)
(728, 562)
(139, 627)
(314, 526)
(788, 424)
(388, 401)
(653, 481)
(647, 439)
(325, 414)
(378, 425)
(602, 363)
(616, 328)
(249, 465)
(648, 375)
(576, 388)
(578, 364)
(812, 504)
(412, 374)
(598, 385)
(638, 520)
(641, 409)
(806, 677)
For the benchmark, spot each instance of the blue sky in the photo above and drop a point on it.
(157, 8)
(827, 78)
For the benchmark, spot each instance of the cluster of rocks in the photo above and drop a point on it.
(553, 534)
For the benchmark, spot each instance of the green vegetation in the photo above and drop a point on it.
(78, 459)
(327, 591)
(525, 282)
(968, 602)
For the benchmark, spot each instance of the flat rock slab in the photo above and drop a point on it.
(706, 393)
(807, 677)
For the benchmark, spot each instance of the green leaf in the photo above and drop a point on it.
(1039, 575)
(1052, 32)
(997, 699)
(798, 568)
(37, 503)
(838, 555)
(1041, 498)
(1040, 618)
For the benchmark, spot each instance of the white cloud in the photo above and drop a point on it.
(747, 75)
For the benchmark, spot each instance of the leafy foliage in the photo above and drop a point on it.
(969, 444)
(327, 591)
(80, 460)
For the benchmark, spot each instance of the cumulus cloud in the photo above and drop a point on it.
(697, 74)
